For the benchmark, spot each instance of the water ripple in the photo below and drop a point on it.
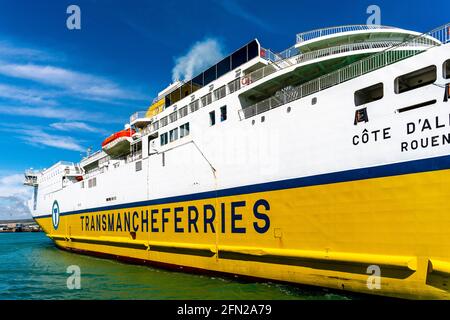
(31, 267)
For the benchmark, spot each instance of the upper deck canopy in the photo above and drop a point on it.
(334, 36)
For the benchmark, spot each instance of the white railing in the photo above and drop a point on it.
(138, 115)
(72, 171)
(93, 173)
(91, 156)
(301, 58)
(374, 62)
(313, 34)
(31, 172)
(134, 157)
(274, 57)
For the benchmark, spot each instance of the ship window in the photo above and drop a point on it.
(164, 121)
(173, 116)
(223, 67)
(163, 159)
(138, 165)
(155, 125)
(446, 69)
(184, 130)
(212, 118)
(186, 89)
(183, 112)
(209, 75)
(197, 82)
(253, 51)
(173, 134)
(174, 96)
(220, 93)
(234, 85)
(92, 183)
(369, 94)
(239, 57)
(82, 184)
(416, 79)
(193, 106)
(163, 138)
(223, 113)
(207, 99)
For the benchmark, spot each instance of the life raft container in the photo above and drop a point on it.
(118, 143)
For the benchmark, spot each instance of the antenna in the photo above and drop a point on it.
(89, 151)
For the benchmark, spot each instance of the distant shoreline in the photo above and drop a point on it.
(24, 225)
(17, 221)
(23, 231)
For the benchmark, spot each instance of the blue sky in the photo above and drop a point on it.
(63, 90)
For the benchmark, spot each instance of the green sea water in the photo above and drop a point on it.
(31, 267)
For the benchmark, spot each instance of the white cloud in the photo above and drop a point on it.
(18, 52)
(67, 114)
(76, 126)
(13, 197)
(83, 85)
(39, 138)
(26, 95)
(203, 54)
(11, 185)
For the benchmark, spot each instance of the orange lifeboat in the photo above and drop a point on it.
(118, 143)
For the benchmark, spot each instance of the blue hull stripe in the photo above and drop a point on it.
(416, 166)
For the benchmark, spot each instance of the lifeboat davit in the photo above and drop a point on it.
(118, 144)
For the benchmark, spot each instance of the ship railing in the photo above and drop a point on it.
(94, 172)
(134, 157)
(32, 173)
(30, 179)
(317, 33)
(354, 70)
(92, 155)
(138, 115)
(72, 171)
(274, 57)
(269, 55)
(302, 58)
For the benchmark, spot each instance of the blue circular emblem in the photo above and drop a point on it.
(55, 215)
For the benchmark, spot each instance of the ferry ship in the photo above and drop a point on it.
(327, 164)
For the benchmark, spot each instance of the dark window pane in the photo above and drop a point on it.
(197, 82)
(239, 57)
(447, 69)
(175, 96)
(210, 75)
(212, 118)
(168, 102)
(253, 50)
(223, 67)
(416, 79)
(186, 89)
(223, 113)
(369, 94)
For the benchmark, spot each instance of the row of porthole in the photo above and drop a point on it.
(288, 110)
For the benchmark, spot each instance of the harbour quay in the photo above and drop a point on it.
(19, 226)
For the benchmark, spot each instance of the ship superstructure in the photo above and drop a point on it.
(311, 166)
